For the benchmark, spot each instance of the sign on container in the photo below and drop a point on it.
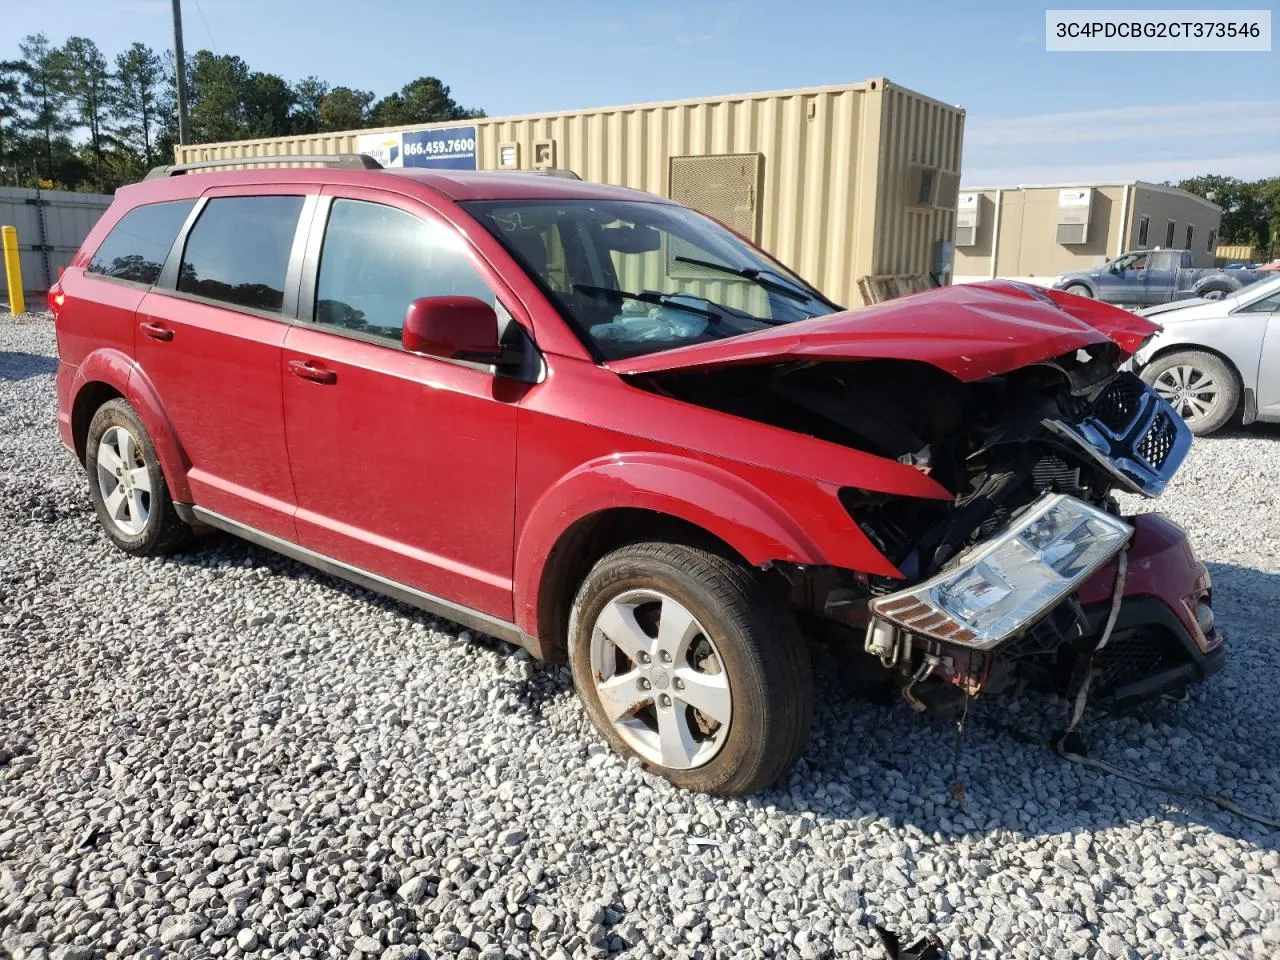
(448, 148)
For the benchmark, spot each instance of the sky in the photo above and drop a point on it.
(1032, 116)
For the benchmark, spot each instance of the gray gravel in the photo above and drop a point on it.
(226, 754)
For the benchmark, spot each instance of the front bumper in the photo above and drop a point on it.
(1160, 643)
(1164, 639)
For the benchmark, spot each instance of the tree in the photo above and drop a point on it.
(140, 95)
(43, 99)
(11, 76)
(266, 103)
(217, 90)
(425, 100)
(1250, 211)
(90, 89)
(88, 121)
(308, 97)
(345, 109)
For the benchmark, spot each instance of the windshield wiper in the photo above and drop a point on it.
(713, 311)
(764, 278)
(650, 296)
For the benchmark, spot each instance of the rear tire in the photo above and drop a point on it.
(1214, 293)
(127, 486)
(1202, 387)
(737, 648)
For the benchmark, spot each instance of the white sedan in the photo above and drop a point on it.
(1213, 359)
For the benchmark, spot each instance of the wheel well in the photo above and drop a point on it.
(88, 400)
(589, 539)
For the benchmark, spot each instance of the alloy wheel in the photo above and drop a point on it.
(1191, 391)
(123, 481)
(660, 679)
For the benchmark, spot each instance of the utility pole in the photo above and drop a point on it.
(180, 64)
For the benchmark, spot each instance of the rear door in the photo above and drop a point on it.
(404, 464)
(209, 339)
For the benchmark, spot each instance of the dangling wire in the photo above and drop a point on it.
(957, 788)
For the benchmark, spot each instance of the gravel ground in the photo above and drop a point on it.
(226, 754)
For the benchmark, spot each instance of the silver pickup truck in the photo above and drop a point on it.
(1146, 277)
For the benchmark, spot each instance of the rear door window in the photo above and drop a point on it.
(238, 251)
(137, 246)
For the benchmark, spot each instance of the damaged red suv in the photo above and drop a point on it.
(597, 424)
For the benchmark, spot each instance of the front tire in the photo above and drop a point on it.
(687, 661)
(1079, 289)
(127, 486)
(1202, 387)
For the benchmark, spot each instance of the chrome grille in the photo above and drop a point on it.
(1119, 403)
(1157, 443)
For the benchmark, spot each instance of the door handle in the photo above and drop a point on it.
(309, 370)
(156, 331)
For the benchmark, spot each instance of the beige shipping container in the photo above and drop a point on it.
(1237, 253)
(1038, 232)
(837, 182)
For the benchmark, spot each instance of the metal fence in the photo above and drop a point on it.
(51, 226)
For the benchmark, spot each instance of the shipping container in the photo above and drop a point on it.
(837, 182)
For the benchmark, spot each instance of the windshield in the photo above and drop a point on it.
(634, 277)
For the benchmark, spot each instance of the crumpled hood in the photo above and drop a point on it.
(972, 331)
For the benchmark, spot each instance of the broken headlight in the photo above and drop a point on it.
(1003, 585)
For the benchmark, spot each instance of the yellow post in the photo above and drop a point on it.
(13, 270)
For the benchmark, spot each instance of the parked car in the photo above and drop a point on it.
(1216, 359)
(600, 425)
(1143, 277)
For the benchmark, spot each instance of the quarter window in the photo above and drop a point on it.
(137, 246)
(376, 260)
(1269, 304)
(238, 251)
(1144, 227)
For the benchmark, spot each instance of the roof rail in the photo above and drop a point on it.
(355, 161)
(551, 172)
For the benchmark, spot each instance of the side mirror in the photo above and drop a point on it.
(454, 328)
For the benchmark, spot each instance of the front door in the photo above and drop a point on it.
(1128, 280)
(404, 465)
(211, 347)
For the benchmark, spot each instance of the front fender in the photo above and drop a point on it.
(120, 372)
(1078, 280)
(763, 515)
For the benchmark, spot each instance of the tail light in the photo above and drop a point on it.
(56, 299)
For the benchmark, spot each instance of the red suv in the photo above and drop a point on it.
(602, 426)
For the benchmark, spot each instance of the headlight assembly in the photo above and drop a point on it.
(1003, 585)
